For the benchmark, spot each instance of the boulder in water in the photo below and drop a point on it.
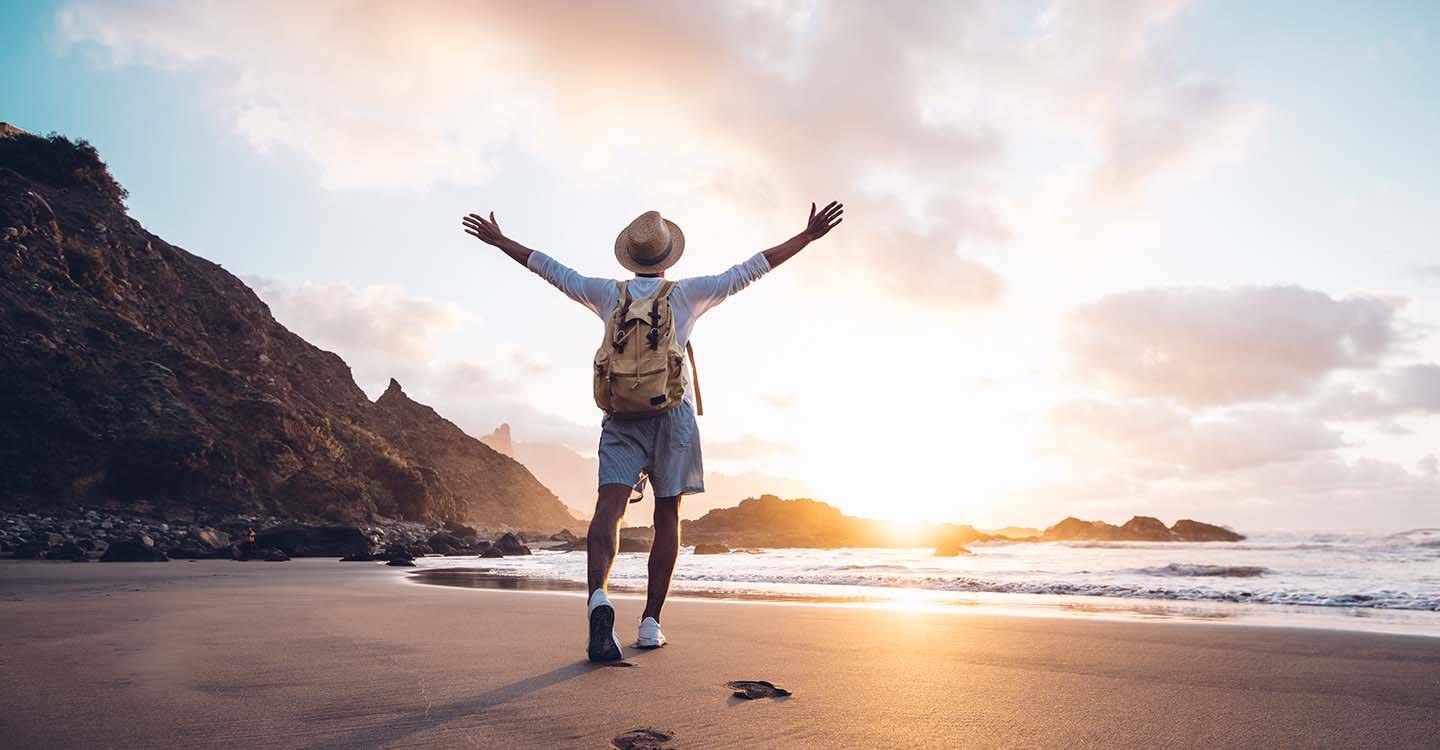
(509, 544)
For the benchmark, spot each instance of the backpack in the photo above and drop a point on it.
(639, 368)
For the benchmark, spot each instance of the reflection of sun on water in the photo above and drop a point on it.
(910, 600)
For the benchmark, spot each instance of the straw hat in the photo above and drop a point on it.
(650, 244)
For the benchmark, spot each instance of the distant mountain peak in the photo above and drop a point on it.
(501, 440)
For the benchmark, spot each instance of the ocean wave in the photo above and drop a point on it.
(1414, 538)
(1205, 571)
(1384, 599)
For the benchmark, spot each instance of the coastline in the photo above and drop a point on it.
(320, 654)
(1059, 606)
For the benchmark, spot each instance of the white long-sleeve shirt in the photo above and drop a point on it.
(690, 298)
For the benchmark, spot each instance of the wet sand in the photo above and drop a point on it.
(321, 654)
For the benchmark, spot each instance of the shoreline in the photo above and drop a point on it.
(320, 654)
(1060, 606)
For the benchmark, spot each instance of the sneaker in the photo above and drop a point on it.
(604, 642)
(650, 635)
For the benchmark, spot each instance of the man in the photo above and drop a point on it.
(664, 447)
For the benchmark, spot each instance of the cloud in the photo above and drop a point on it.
(1431, 272)
(1429, 466)
(1154, 440)
(907, 113)
(1204, 346)
(373, 323)
(1149, 119)
(1394, 392)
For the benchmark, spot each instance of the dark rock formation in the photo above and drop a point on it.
(634, 544)
(713, 548)
(564, 535)
(1074, 529)
(1138, 529)
(194, 553)
(755, 689)
(402, 562)
(316, 541)
(445, 543)
(1145, 528)
(1187, 530)
(768, 521)
(461, 530)
(35, 550)
(491, 552)
(642, 738)
(212, 539)
(509, 544)
(136, 373)
(133, 551)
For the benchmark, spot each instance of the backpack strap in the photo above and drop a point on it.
(695, 376)
(663, 292)
(622, 309)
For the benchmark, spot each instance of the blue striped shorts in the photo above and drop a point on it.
(665, 448)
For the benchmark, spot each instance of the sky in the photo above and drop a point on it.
(1099, 258)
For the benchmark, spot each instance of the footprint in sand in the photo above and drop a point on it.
(753, 689)
(643, 738)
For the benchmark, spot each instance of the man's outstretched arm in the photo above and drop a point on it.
(488, 232)
(705, 292)
(596, 294)
(818, 226)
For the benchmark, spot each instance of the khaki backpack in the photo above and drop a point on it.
(639, 368)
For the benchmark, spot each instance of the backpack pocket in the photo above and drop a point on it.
(602, 376)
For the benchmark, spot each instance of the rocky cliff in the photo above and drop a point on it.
(139, 374)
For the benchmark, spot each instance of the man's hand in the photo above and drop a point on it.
(820, 224)
(488, 232)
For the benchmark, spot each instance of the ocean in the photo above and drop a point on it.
(1381, 582)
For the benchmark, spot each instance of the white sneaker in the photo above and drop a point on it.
(650, 635)
(604, 641)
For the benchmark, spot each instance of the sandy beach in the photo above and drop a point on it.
(319, 654)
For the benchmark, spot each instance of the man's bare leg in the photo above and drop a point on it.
(604, 536)
(662, 554)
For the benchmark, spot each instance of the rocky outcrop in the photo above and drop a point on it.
(1137, 529)
(769, 521)
(634, 544)
(316, 541)
(1187, 530)
(140, 375)
(510, 545)
(1145, 529)
(140, 549)
(713, 548)
(500, 440)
